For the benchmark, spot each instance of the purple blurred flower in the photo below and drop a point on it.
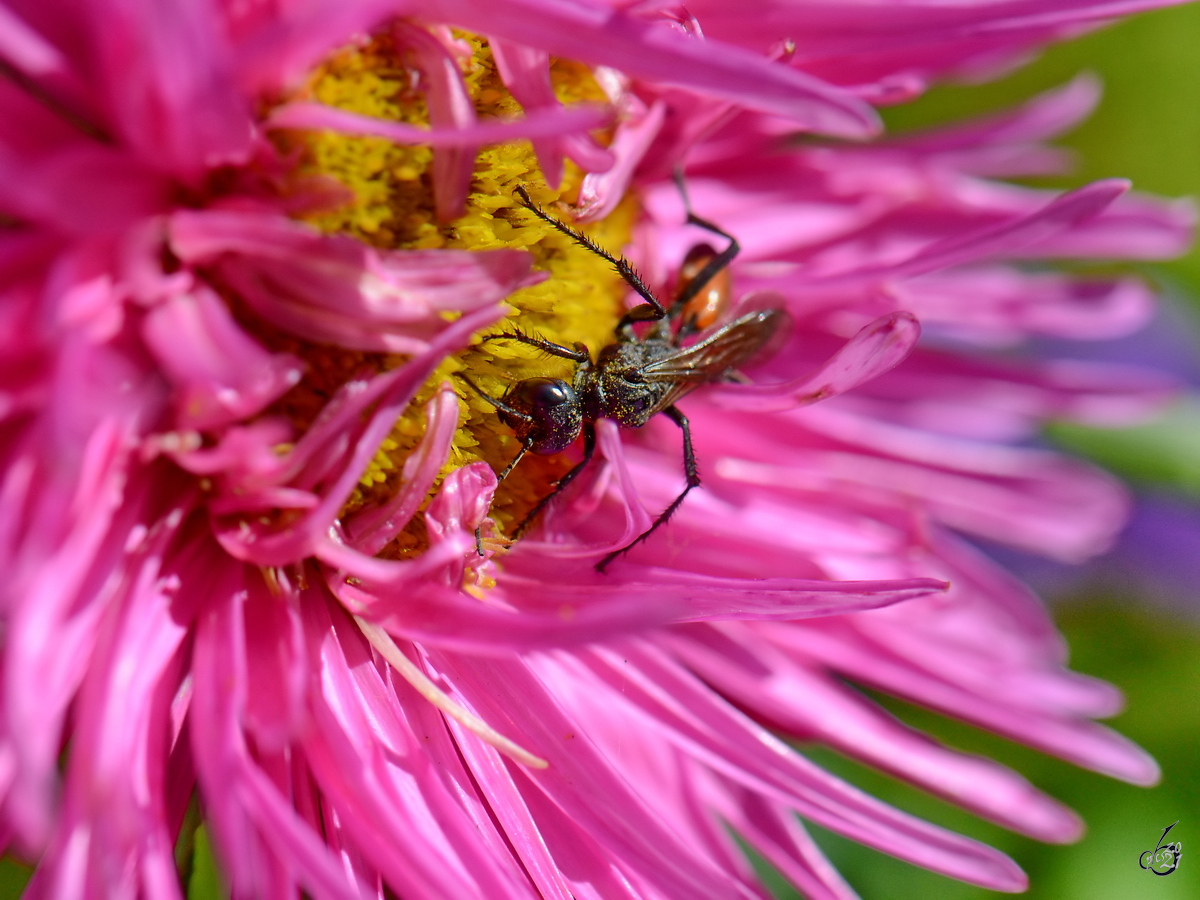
(191, 605)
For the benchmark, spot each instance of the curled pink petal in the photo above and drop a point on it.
(462, 502)
(874, 350)
(268, 547)
(221, 374)
(373, 529)
(602, 191)
(336, 289)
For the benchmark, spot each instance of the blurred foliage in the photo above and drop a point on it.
(13, 878)
(1165, 451)
(204, 882)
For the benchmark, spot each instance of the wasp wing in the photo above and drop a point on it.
(710, 359)
(726, 348)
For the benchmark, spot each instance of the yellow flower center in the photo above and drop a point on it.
(392, 208)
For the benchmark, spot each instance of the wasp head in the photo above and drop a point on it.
(546, 414)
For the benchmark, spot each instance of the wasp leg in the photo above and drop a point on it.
(504, 407)
(499, 478)
(577, 354)
(589, 449)
(512, 465)
(714, 265)
(650, 310)
(691, 472)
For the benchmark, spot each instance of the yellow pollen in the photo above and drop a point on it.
(392, 208)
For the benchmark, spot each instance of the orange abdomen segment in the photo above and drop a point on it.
(712, 300)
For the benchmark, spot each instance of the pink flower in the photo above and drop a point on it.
(208, 589)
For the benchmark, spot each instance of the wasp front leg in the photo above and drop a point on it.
(589, 450)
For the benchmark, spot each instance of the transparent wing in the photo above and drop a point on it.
(726, 348)
(708, 360)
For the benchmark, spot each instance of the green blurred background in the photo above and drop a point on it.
(1147, 129)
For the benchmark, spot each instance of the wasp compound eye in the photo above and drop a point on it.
(550, 414)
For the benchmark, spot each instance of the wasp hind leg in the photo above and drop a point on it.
(690, 470)
(714, 265)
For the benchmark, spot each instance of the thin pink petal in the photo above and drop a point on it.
(372, 529)
(221, 374)
(536, 124)
(25, 48)
(841, 719)
(601, 35)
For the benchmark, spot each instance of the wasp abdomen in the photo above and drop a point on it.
(712, 298)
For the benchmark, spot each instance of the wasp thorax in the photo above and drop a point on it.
(549, 415)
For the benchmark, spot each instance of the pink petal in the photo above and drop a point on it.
(508, 694)
(221, 374)
(602, 191)
(538, 123)
(373, 529)
(450, 106)
(25, 48)
(279, 46)
(1046, 116)
(81, 189)
(526, 74)
(337, 290)
(309, 536)
(166, 75)
(844, 720)
(373, 790)
(878, 347)
(696, 720)
(257, 832)
(778, 835)
(1008, 238)
(603, 36)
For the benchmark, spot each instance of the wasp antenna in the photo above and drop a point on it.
(499, 404)
(577, 354)
(624, 268)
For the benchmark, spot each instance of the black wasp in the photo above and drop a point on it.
(634, 378)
